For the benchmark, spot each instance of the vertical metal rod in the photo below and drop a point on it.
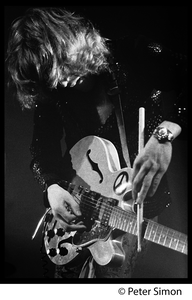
(140, 147)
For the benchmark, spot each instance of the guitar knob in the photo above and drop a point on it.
(51, 252)
(50, 233)
(63, 251)
(60, 232)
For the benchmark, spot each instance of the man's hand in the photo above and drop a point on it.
(149, 167)
(65, 209)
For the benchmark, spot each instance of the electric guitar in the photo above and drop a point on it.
(103, 191)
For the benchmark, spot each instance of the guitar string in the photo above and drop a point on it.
(128, 215)
(118, 213)
(108, 209)
(114, 211)
(105, 206)
(132, 219)
(90, 202)
(91, 199)
(165, 232)
(181, 239)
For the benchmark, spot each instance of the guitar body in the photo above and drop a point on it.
(97, 167)
(103, 191)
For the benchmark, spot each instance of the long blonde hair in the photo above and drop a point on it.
(50, 45)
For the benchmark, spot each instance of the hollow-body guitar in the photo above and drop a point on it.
(103, 191)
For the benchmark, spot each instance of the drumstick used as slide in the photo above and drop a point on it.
(140, 147)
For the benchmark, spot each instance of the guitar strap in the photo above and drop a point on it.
(115, 93)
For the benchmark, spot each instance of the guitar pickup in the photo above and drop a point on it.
(90, 204)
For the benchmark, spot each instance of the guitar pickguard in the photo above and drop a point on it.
(96, 233)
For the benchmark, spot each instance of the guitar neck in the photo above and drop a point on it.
(126, 221)
(154, 232)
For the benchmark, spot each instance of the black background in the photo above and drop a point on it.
(23, 197)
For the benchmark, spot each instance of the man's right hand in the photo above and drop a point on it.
(64, 208)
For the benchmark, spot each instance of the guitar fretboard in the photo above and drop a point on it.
(126, 221)
(167, 237)
(156, 233)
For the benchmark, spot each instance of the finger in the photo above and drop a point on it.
(72, 206)
(145, 187)
(136, 168)
(75, 227)
(155, 183)
(64, 217)
(136, 184)
(67, 226)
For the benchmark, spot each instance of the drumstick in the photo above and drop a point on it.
(140, 147)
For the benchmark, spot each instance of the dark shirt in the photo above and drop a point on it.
(148, 76)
